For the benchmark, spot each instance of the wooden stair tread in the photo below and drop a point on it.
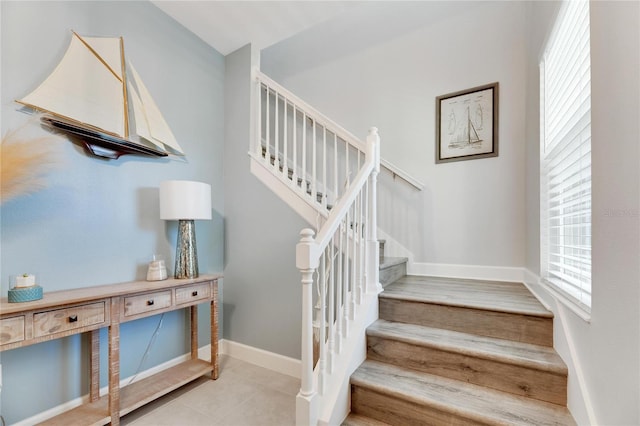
(359, 420)
(508, 297)
(476, 403)
(536, 357)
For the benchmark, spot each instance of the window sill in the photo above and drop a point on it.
(577, 308)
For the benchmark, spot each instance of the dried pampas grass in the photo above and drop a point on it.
(25, 159)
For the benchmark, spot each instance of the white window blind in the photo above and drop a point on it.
(565, 91)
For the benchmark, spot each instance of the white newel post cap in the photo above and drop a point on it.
(307, 251)
(373, 134)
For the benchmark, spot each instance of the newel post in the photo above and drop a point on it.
(373, 248)
(307, 260)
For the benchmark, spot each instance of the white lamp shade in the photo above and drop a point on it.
(183, 199)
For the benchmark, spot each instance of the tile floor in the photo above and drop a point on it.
(243, 395)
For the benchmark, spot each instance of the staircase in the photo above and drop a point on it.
(439, 351)
(451, 351)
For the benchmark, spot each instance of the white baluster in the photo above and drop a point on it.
(361, 246)
(324, 166)
(259, 133)
(294, 163)
(322, 349)
(336, 195)
(365, 236)
(285, 148)
(346, 165)
(314, 176)
(356, 255)
(347, 275)
(304, 152)
(354, 263)
(276, 143)
(267, 155)
(339, 290)
(332, 306)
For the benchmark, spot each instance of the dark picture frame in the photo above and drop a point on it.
(467, 124)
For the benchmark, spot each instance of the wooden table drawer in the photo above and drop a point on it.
(61, 320)
(147, 302)
(11, 330)
(192, 293)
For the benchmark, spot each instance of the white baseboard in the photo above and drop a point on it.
(260, 357)
(479, 272)
(532, 282)
(564, 342)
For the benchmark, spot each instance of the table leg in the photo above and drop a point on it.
(114, 362)
(214, 331)
(194, 332)
(94, 373)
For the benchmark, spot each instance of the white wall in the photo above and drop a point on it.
(383, 65)
(98, 221)
(603, 355)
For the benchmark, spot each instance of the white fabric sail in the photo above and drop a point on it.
(83, 89)
(139, 117)
(159, 131)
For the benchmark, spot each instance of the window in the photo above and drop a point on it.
(565, 103)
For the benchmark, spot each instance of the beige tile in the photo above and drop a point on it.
(174, 413)
(265, 408)
(270, 379)
(220, 397)
(228, 363)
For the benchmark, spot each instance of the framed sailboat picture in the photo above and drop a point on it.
(467, 124)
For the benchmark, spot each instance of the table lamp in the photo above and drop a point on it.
(185, 201)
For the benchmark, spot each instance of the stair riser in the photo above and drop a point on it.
(518, 380)
(516, 327)
(399, 412)
(392, 273)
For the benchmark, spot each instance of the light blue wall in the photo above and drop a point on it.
(98, 221)
(262, 300)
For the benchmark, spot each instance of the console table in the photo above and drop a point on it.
(85, 310)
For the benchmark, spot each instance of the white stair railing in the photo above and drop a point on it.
(336, 175)
(342, 264)
(312, 155)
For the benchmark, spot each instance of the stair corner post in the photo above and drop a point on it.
(307, 261)
(373, 247)
(256, 118)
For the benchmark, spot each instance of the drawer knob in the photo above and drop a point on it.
(150, 302)
(73, 318)
(194, 293)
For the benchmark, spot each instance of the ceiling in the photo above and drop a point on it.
(229, 25)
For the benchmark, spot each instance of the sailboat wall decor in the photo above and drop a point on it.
(467, 124)
(90, 97)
